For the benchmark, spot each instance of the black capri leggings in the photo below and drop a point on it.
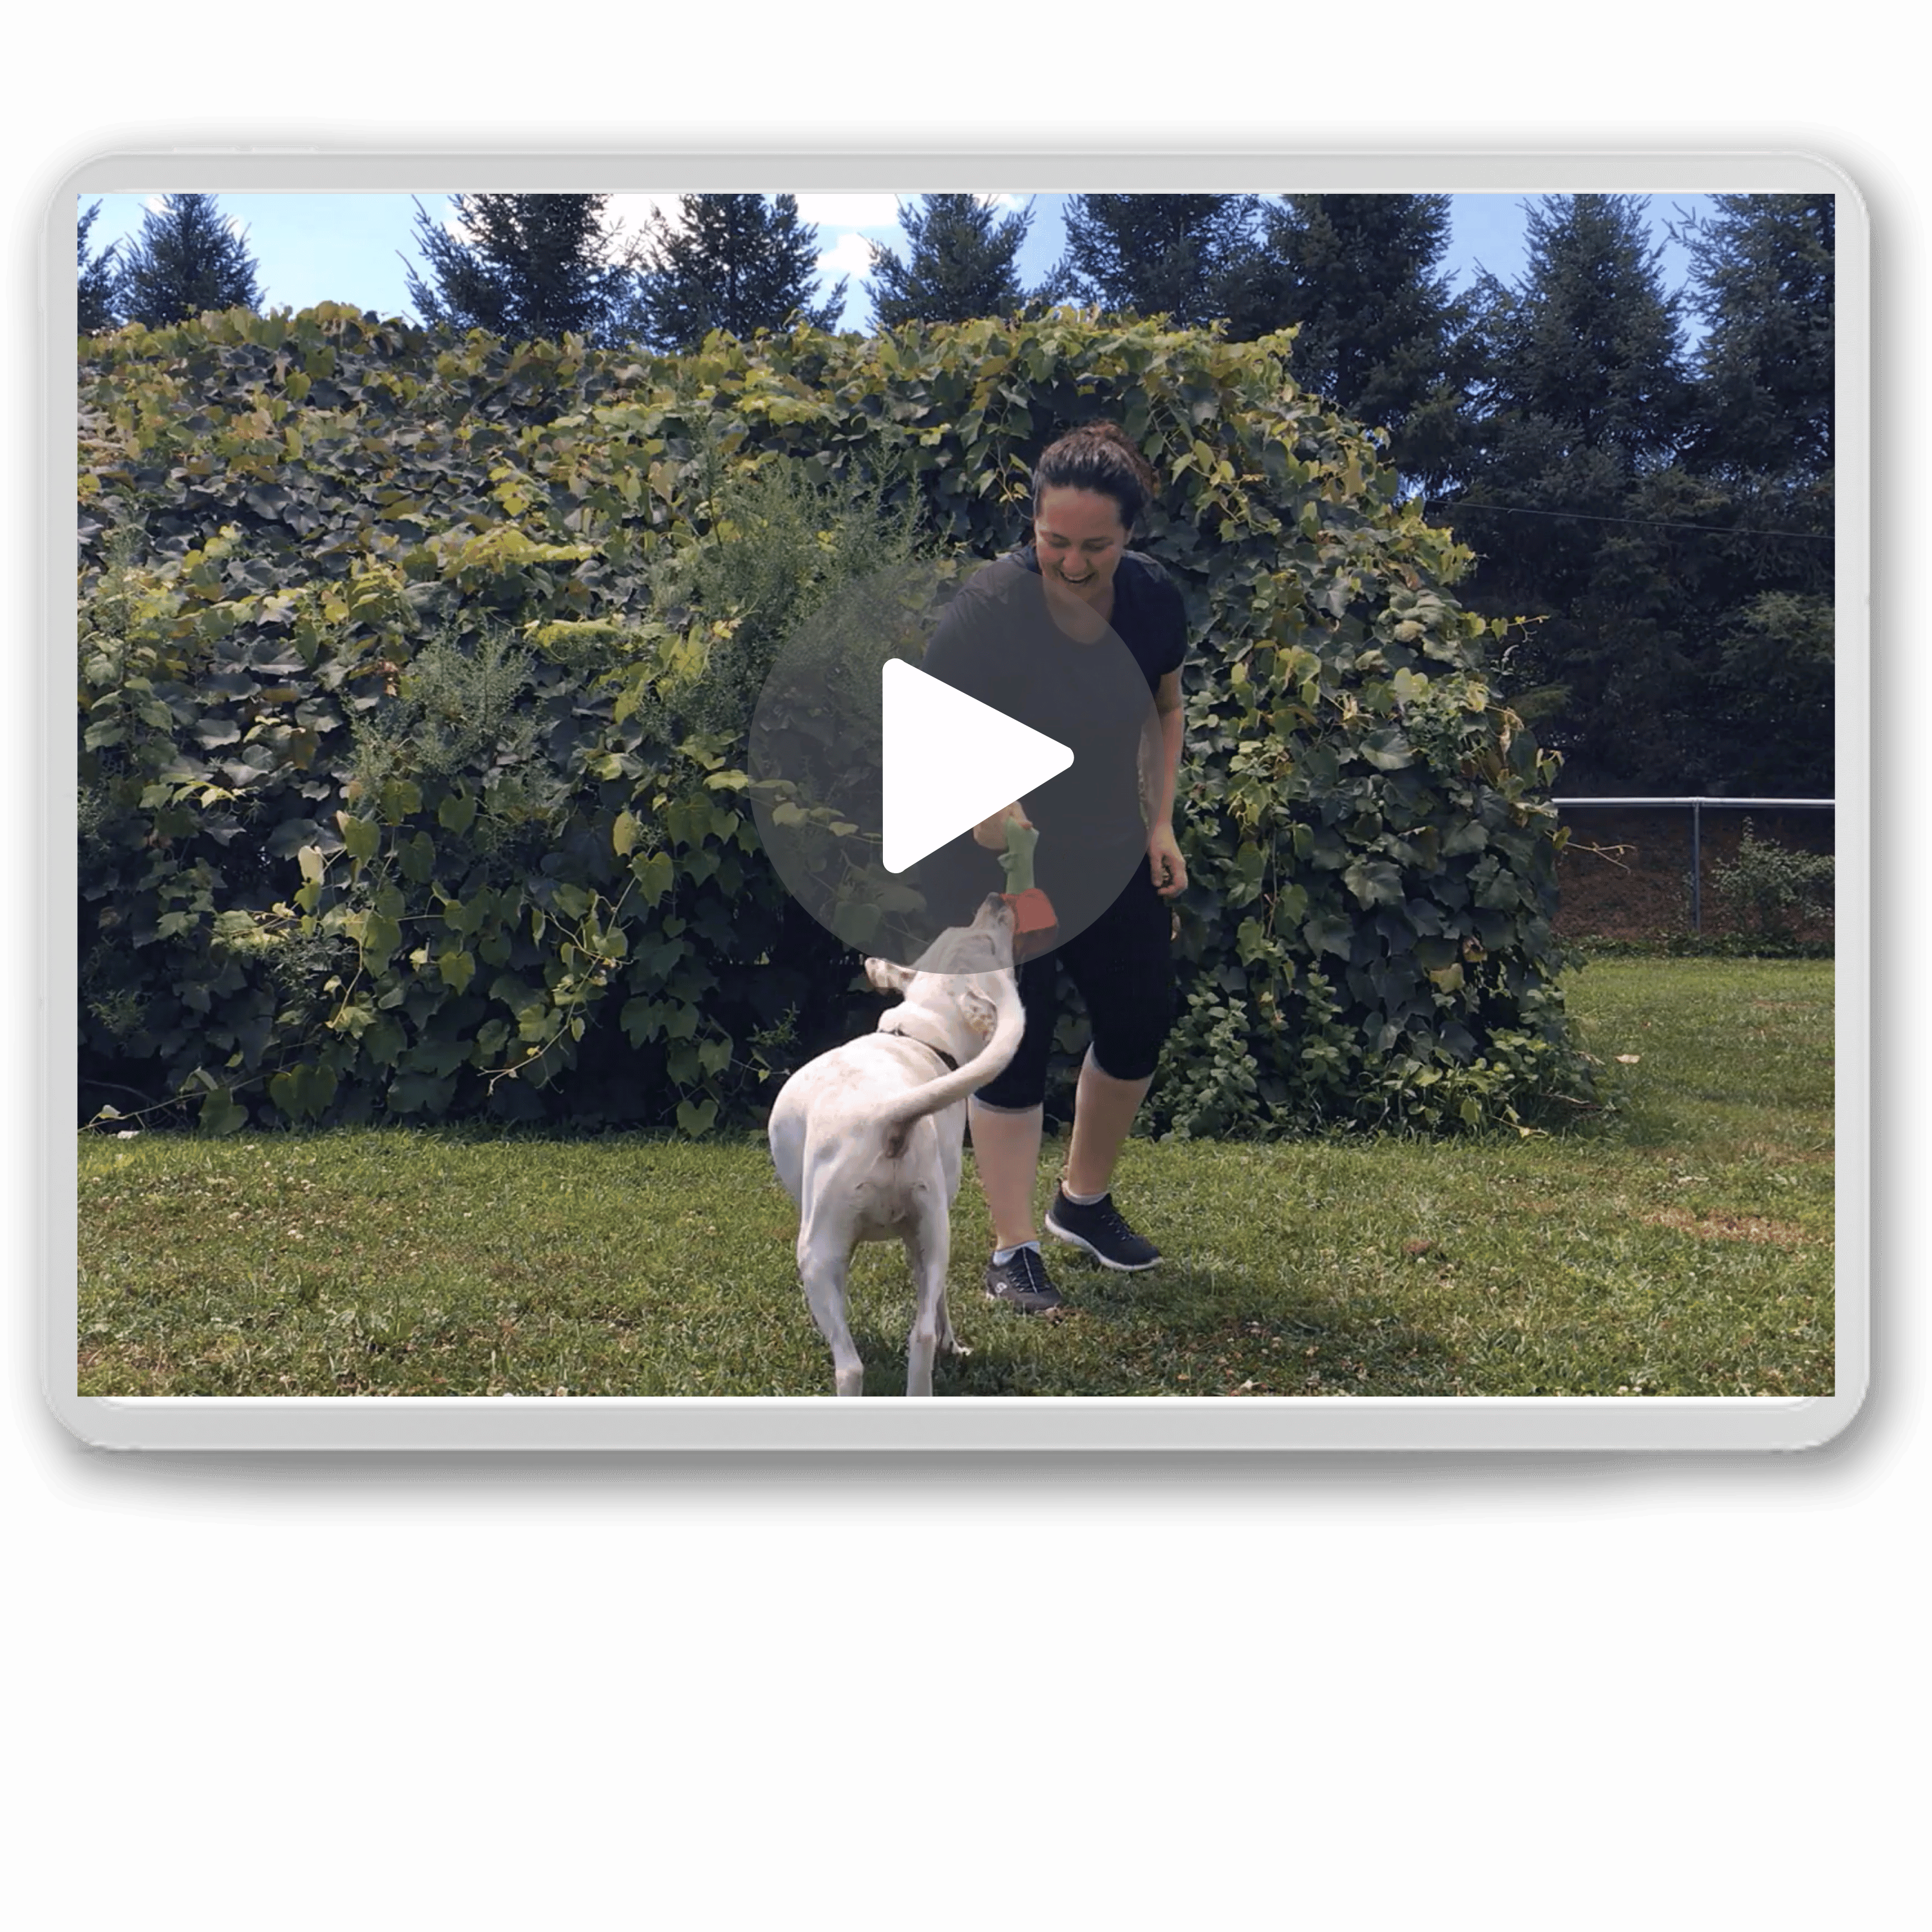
(1123, 965)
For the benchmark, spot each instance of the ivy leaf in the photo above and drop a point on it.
(381, 936)
(456, 813)
(1330, 932)
(417, 857)
(220, 1113)
(655, 874)
(1374, 882)
(362, 837)
(1388, 750)
(856, 923)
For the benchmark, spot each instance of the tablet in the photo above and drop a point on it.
(352, 234)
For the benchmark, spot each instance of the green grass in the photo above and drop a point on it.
(1682, 1247)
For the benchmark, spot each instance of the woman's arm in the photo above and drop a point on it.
(1160, 753)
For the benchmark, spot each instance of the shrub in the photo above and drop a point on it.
(1772, 889)
(416, 670)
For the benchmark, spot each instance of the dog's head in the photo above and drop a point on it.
(986, 946)
(961, 952)
(960, 968)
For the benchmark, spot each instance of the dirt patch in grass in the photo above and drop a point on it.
(1804, 1156)
(1733, 1227)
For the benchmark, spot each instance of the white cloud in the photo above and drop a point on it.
(629, 216)
(849, 256)
(849, 253)
(628, 219)
(843, 211)
(850, 210)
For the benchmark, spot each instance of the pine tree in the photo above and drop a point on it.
(1182, 256)
(1762, 270)
(1589, 347)
(1762, 279)
(97, 280)
(959, 263)
(528, 267)
(740, 262)
(1568, 492)
(186, 259)
(1381, 335)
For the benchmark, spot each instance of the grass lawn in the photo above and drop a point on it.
(1684, 1247)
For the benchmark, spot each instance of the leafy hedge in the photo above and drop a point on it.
(415, 671)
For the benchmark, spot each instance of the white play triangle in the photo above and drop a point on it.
(948, 761)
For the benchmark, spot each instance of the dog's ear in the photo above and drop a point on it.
(980, 1013)
(887, 976)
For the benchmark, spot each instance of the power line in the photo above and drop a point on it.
(1643, 523)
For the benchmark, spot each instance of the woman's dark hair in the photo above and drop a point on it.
(1098, 456)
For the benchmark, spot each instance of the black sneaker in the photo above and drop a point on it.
(1101, 1230)
(1020, 1281)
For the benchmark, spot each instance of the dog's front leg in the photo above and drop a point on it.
(824, 1256)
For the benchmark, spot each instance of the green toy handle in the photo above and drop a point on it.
(1016, 861)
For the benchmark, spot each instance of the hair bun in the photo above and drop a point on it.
(1103, 431)
(1100, 455)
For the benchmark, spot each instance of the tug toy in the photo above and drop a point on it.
(1035, 928)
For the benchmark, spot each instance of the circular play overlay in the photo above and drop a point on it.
(994, 696)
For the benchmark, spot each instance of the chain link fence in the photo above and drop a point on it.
(1582, 891)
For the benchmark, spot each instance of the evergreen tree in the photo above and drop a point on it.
(186, 259)
(1588, 350)
(959, 263)
(1381, 335)
(97, 276)
(528, 267)
(1761, 269)
(1762, 279)
(1568, 490)
(1182, 256)
(740, 262)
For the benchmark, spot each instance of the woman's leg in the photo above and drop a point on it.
(1126, 977)
(1006, 1156)
(1103, 1112)
(1007, 1115)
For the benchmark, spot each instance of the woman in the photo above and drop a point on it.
(1089, 490)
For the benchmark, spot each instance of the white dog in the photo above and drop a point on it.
(866, 1139)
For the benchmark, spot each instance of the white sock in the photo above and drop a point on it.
(1084, 1200)
(1002, 1256)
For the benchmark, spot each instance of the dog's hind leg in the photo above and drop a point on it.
(823, 1269)
(949, 1344)
(926, 1251)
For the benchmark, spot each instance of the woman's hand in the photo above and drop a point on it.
(1169, 870)
(991, 832)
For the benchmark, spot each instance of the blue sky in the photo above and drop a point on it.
(351, 247)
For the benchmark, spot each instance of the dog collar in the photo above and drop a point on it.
(899, 1032)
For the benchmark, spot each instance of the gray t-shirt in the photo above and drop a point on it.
(997, 642)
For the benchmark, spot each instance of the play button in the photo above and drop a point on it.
(913, 706)
(947, 761)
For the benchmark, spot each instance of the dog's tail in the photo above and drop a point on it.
(898, 1115)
